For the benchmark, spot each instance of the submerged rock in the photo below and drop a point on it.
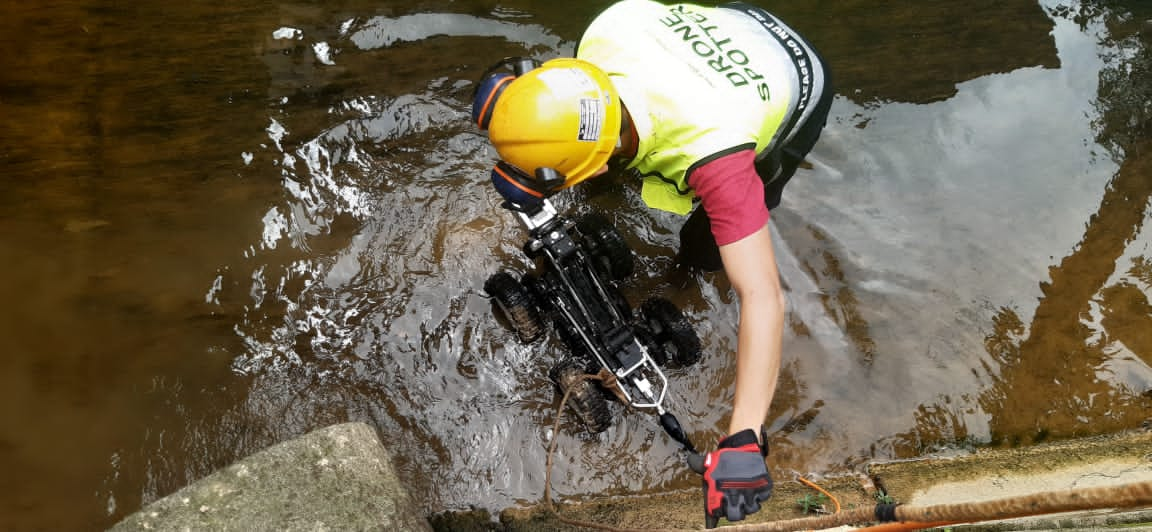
(336, 478)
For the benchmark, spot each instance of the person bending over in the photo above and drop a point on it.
(713, 108)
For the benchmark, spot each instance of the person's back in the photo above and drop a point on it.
(700, 83)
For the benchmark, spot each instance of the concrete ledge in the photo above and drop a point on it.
(962, 477)
(337, 478)
(1112, 460)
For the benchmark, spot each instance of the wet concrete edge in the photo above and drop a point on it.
(947, 478)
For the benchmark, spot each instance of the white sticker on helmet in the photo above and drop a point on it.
(568, 82)
(574, 84)
(591, 119)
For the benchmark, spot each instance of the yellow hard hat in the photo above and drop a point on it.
(563, 115)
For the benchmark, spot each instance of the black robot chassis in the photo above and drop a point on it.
(574, 287)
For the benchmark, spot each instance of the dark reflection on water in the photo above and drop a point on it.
(229, 225)
(1081, 366)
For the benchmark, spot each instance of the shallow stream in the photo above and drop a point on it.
(227, 225)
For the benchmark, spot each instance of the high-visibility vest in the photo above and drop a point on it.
(699, 83)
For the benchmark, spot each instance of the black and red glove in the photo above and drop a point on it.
(736, 478)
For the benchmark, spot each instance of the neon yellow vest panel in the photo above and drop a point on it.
(697, 81)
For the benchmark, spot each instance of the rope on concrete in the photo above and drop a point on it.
(1127, 496)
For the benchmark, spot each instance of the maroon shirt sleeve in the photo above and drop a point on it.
(732, 194)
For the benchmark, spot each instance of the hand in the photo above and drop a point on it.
(736, 479)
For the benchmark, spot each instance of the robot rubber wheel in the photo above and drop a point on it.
(585, 397)
(516, 305)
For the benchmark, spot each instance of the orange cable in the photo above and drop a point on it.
(813, 485)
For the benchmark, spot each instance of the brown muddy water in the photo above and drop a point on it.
(224, 225)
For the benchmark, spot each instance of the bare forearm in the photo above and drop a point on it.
(751, 267)
(757, 363)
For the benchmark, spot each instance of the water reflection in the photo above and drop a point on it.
(382, 32)
(1079, 367)
(1083, 364)
(917, 249)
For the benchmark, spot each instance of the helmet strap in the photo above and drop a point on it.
(493, 81)
(550, 179)
(546, 182)
(519, 66)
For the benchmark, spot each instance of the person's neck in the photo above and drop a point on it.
(630, 138)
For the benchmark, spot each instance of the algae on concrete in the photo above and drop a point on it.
(336, 478)
(1000, 473)
(980, 475)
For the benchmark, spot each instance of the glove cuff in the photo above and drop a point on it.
(745, 438)
(740, 439)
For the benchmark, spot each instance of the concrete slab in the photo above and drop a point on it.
(959, 477)
(995, 474)
(337, 478)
